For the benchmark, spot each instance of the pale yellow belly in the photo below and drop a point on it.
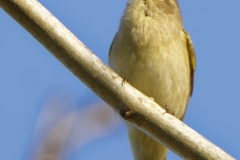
(164, 76)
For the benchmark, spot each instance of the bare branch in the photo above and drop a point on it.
(132, 105)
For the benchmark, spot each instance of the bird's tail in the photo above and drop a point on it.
(144, 147)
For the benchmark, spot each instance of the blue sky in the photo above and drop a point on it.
(29, 74)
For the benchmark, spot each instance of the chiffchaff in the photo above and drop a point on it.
(155, 54)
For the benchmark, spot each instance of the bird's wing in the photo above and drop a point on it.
(192, 59)
(192, 63)
(110, 49)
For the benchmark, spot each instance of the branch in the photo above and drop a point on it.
(132, 105)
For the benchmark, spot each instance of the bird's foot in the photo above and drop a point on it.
(167, 110)
(124, 79)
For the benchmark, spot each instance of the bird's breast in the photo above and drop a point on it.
(159, 71)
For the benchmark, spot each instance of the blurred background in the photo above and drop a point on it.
(47, 113)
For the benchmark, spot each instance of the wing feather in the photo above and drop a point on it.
(192, 59)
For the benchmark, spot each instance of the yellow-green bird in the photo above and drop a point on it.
(155, 54)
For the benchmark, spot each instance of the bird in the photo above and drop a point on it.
(155, 55)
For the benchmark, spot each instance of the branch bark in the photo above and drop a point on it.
(132, 105)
